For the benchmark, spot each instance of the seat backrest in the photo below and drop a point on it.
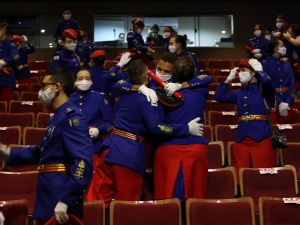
(281, 184)
(26, 106)
(273, 211)
(292, 134)
(29, 96)
(208, 132)
(17, 119)
(225, 133)
(10, 135)
(18, 185)
(219, 64)
(160, 212)
(221, 183)
(235, 211)
(3, 106)
(216, 154)
(33, 135)
(291, 156)
(15, 212)
(42, 119)
(94, 213)
(225, 118)
(217, 106)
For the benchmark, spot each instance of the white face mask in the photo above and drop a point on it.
(167, 34)
(172, 48)
(46, 96)
(67, 17)
(257, 33)
(139, 31)
(70, 46)
(282, 51)
(83, 85)
(163, 77)
(245, 77)
(268, 36)
(279, 25)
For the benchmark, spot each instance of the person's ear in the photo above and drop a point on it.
(57, 87)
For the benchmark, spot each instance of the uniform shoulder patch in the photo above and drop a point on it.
(56, 57)
(202, 76)
(121, 81)
(69, 110)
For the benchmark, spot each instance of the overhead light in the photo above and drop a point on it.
(43, 31)
(223, 31)
(50, 43)
(20, 22)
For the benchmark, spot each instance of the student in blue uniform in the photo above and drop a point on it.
(25, 48)
(64, 154)
(257, 45)
(281, 73)
(253, 147)
(66, 57)
(84, 48)
(8, 58)
(178, 45)
(65, 23)
(123, 161)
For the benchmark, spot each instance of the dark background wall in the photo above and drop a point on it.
(246, 14)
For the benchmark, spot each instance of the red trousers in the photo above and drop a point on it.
(111, 181)
(260, 154)
(6, 94)
(193, 159)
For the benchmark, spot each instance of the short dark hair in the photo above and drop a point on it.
(5, 26)
(83, 68)
(169, 57)
(182, 39)
(62, 76)
(282, 17)
(295, 28)
(271, 46)
(137, 71)
(184, 69)
(99, 61)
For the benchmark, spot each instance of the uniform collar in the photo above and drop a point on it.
(63, 107)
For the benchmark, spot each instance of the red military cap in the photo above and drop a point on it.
(98, 53)
(73, 220)
(70, 33)
(16, 38)
(138, 21)
(245, 63)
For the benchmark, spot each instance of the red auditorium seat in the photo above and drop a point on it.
(217, 106)
(29, 96)
(291, 156)
(273, 211)
(292, 134)
(94, 213)
(225, 133)
(17, 119)
(42, 119)
(160, 212)
(255, 184)
(221, 183)
(35, 80)
(26, 106)
(216, 154)
(235, 211)
(35, 87)
(220, 78)
(16, 95)
(202, 64)
(213, 86)
(18, 185)
(38, 65)
(3, 106)
(208, 132)
(33, 135)
(219, 64)
(22, 87)
(20, 168)
(222, 117)
(15, 212)
(10, 135)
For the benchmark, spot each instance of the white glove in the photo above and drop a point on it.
(24, 38)
(254, 51)
(196, 128)
(171, 88)
(258, 55)
(94, 132)
(124, 59)
(4, 152)
(255, 65)
(232, 74)
(2, 63)
(149, 93)
(2, 219)
(283, 109)
(60, 213)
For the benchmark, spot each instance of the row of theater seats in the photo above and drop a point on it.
(221, 203)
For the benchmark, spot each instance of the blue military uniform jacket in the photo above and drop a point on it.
(101, 83)
(22, 69)
(259, 43)
(250, 100)
(8, 53)
(136, 41)
(84, 49)
(282, 75)
(97, 112)
(66, 59)
(134, 114)
(63, 25)
(66, 141)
